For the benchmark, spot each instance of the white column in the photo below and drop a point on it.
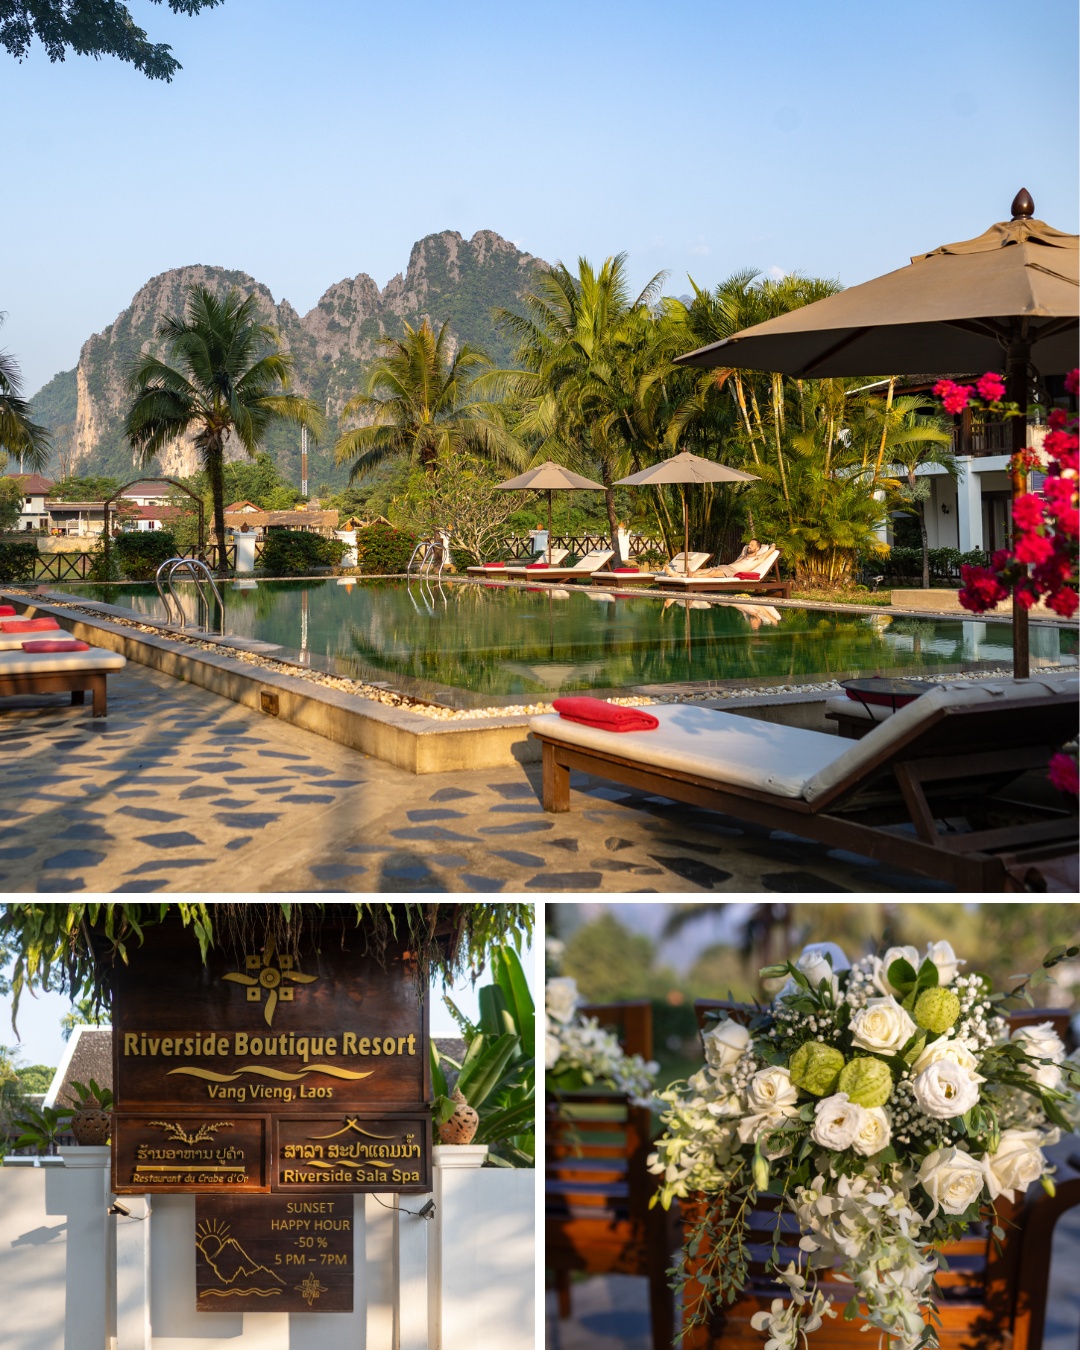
(376, 1266)
(133, 1274)
(969, 522)
(414, 1330)
(85, 1199)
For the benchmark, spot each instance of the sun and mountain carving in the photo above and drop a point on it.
(240, 1275)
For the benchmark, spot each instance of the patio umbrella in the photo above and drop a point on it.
(1006, 301)
(551, 477)
(682, 469)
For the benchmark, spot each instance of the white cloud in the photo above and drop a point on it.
(777, 273)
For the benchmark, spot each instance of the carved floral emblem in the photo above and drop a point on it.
(268, 973)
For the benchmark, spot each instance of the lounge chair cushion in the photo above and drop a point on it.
(849, 707)
(13, 642)
(28, 625)
(722, 747)
(894, 728)
(47, 663)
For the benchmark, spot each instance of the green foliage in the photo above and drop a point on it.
(18, 560)
(139, 553)
(91, 28)
(91, 1095)
(296, 553)
(459, 494)
(609, 962)
(497, 1077)
(11, 500)
(35, 1078)
(20, 435)
(82, 1013)
(945, 563)
(40, 1128)
(88, 488)
(382, 549)
(51, 946)
(258, 480)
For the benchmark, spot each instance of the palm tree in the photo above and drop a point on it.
(19, 433)
(228, 380)
(424, 401)
(911, 440)
(572, 343)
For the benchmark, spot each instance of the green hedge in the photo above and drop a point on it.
(296, 552)
(18, 561)
(382, 548)
(945, 563)
(140, 553)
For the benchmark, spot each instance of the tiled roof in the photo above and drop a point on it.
(88, 1055)
(32, 483)
(242, 506)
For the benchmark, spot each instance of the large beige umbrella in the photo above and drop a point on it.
(682, 469)
(1006, 301)
(554, 478)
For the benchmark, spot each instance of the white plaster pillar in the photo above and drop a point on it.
(84, 1183)
(969, 522)
(133, 1274)
(245, 552)
(414, 1294)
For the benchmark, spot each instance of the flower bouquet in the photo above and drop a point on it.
(579, 1053)
(886, 1106)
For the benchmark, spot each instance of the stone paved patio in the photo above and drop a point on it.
(180, 790)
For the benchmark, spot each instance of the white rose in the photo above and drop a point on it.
(560, 996)
(952, 1179)
(882, 1026)
(772, 1091)
(881, 967)
(943, 956)
(947, 1048)
(815, 965)
(1040, 1042)
(552, 1050)
(874, 1132)
(1047, 1076)
(837, 1122)
(1017, 1162)
(725, 1045)
(945, 1090)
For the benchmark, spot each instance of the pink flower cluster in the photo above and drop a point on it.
(1063, 773)
(956, 397)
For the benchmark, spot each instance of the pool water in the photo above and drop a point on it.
(466, 643)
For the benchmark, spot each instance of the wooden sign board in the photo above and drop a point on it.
(189, 1153)
(265, 1253)
(355, 1152)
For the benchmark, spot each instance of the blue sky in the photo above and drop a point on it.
(306, 143)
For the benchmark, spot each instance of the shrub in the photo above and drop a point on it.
(140, 553)
(382, 548)
(296, 552)
(18, 560)
(945, 563)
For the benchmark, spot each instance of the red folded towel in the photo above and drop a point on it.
(626, 569)
(499, 565)
(62, 645)
(533, 567)
(27, 625)
(594, 712)
(7, 609)
(747, 576)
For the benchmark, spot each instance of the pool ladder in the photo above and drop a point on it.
(429, 556)
(200, 574)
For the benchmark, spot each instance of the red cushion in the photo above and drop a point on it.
(69, 645)
(882, 700)
(7, 609)
(28, 625)
(747, 576)
(500, 565)
(594, 712)
(626, 569)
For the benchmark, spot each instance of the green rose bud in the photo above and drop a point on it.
(936, 1009)
(760, 1172)
(815, 1066)
(866, 1081)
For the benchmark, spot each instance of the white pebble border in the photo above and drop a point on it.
(443, 714)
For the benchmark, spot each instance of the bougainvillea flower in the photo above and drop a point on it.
(990, 386)
(1072, 381)
(1028, 511)
(1063, 773)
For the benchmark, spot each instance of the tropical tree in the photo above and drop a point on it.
(20, 435)
(90, 28)
(911, 440)
(228, 381)
(422, 400)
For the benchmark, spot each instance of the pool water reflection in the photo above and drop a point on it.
(500, 644)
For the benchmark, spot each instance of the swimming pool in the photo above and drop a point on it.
(465, 643)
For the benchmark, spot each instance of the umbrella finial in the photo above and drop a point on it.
(1022, 206)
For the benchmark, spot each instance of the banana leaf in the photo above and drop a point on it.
(510, 978)
(485, 1065)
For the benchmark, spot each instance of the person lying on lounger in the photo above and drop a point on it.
(747, 561)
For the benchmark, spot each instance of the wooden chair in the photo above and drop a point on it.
(930, 790)
(992, 1298)
(597, 1186)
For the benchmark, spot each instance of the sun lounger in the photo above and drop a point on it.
(587, 566)
(920, 791)
(622, 578)
(60, 673)
(759, 585)
(518, 569)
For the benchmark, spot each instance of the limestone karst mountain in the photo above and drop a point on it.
(448, 279)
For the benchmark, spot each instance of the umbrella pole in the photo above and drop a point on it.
(1016, 379)
(686, 531)
(549, 527)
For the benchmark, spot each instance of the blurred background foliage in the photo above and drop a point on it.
(675, 953)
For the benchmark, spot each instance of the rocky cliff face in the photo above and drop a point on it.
(449, 279)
